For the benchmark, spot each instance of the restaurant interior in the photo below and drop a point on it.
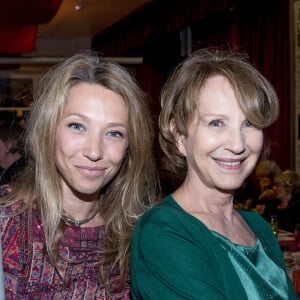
(150, 37)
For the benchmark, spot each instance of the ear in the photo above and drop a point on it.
(179, 138)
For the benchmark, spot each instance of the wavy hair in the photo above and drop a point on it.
(122, 200)
(289, 179)
(179, 98)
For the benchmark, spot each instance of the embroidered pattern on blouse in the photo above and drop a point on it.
(28, 273)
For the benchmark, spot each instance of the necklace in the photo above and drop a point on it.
(77, 223)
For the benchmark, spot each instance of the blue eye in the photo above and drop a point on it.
(248, 124)
(76, 126)
(115, 134)
(216, 123)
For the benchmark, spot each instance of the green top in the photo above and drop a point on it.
(261, 277)
(175, 256)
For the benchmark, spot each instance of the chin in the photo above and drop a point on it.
(87, 190)
(230, 187)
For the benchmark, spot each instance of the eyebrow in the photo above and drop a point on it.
(203, 115)
(111, 124)
(115, 124)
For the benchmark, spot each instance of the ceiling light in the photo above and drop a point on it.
(79, 6)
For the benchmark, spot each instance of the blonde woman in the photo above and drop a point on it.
(67, 223)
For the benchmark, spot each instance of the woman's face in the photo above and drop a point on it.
(281, 190)
(91, 138)
(222, 147)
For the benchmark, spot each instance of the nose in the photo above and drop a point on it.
(235, 142)
(93, 148)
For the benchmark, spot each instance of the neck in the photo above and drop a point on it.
(80, 207)
(78, 223)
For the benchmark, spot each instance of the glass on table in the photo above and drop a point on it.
(273, 221)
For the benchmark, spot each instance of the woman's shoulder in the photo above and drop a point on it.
(165, 208)
(157, 218)
(168, 218)
(11, 208)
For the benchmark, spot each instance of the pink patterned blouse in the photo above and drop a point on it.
(28, 273)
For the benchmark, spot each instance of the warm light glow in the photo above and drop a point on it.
(79, 6)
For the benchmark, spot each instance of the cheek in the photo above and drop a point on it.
(116, 151)
(64, 145)
(255, 142)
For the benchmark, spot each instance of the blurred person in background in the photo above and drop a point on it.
(12, 159)
(256, 192)
(265, 201)
(286, 190)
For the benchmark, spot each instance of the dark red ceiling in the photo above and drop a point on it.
(19, 20)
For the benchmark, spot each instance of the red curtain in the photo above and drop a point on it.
(16, 40)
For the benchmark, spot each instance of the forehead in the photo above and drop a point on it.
(93, 99)
(217, 94)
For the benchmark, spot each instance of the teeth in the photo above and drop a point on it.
(230, 164)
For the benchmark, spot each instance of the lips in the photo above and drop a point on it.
(232, 164)
(90, 171)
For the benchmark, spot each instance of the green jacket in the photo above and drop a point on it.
(175, 256)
